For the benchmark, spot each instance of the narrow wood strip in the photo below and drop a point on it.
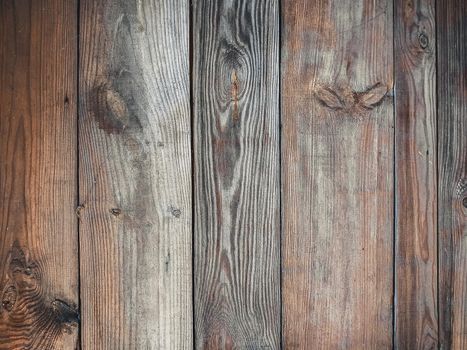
(236, 149)
(452, 171)
(38, 175)
(416, 308)
(135, 175)
(337, 152)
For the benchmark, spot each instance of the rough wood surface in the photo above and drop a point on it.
(452, 172)
(38, 227)
(415, 169)
(337, 174)
(135, 175)
(236, 150)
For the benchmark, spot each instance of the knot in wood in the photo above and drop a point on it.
(116, 211)
(9, 298)
(423, 40)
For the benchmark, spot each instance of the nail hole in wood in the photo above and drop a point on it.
(116, 211)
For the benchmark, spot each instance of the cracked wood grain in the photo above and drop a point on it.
(135, 163)
(38, 180)
(337, 174)
(236, 175)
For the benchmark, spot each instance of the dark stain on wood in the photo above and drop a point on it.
(66, 314)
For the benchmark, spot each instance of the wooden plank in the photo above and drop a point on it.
(337, 152)
(38, 175)
(416, 308)
(452, 172)
(236, 150)
(135, 175)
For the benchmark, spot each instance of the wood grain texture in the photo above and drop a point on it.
(416, 308)
(38, 175)
(452, 172)
(236, 144)
(135, 175)
(337, 174)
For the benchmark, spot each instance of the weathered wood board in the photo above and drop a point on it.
(337, 174)
(416, 307)
(38, 227)
(233, 174)
(135, 175)
(236, 174)
(452, 172)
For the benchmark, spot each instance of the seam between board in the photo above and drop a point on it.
(78, 28)
(394, 177)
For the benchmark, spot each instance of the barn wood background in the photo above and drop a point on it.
(233, 174)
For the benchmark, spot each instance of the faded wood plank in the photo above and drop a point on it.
(337, 174)
(236, 144)
(135, 175)
(452, 171)
(38, 175)
(416, 189)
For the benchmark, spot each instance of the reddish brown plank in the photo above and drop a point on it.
(38, 177)
(337, 171)
(415, 168)
(452, 171)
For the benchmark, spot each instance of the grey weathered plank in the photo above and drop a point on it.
(452, 171)
(135, 175)
(337, 171)
(38, 175)
(416, 189)
(236, 150)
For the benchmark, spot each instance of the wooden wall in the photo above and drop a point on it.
(233, 174)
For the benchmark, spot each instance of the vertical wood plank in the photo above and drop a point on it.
(38, 175)
(236, 143)
(452, 171)
(416, 189)
(337, 151)
(135, 175)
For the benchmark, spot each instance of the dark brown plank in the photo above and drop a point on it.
(337, 172)
(236, 150)
(415, 168)
(38, 175)
(452, 171)
(135, 175)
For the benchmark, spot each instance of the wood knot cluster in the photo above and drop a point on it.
(353, 102)
(26, 308)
